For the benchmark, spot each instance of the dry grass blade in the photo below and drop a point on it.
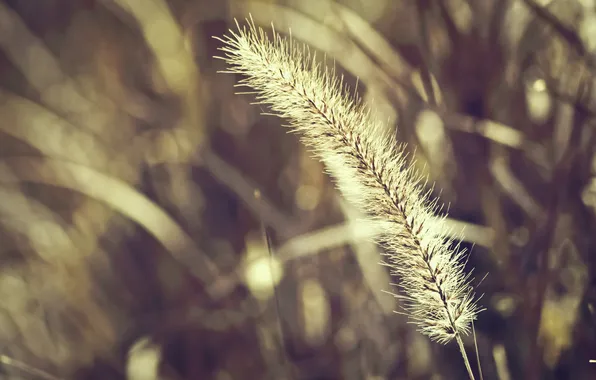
(28, 369)
(121, 197)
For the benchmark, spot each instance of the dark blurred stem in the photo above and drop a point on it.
(536, 294)
(426, 75)
(565, 32)
(544, 240)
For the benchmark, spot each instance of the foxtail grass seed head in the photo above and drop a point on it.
(370, 169)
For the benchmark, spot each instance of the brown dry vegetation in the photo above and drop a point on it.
(154, 225)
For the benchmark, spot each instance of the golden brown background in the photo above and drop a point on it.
(154, 225)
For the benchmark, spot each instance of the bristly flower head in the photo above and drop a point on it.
(371, 171)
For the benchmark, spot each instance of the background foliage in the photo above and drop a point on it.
(156, 226)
